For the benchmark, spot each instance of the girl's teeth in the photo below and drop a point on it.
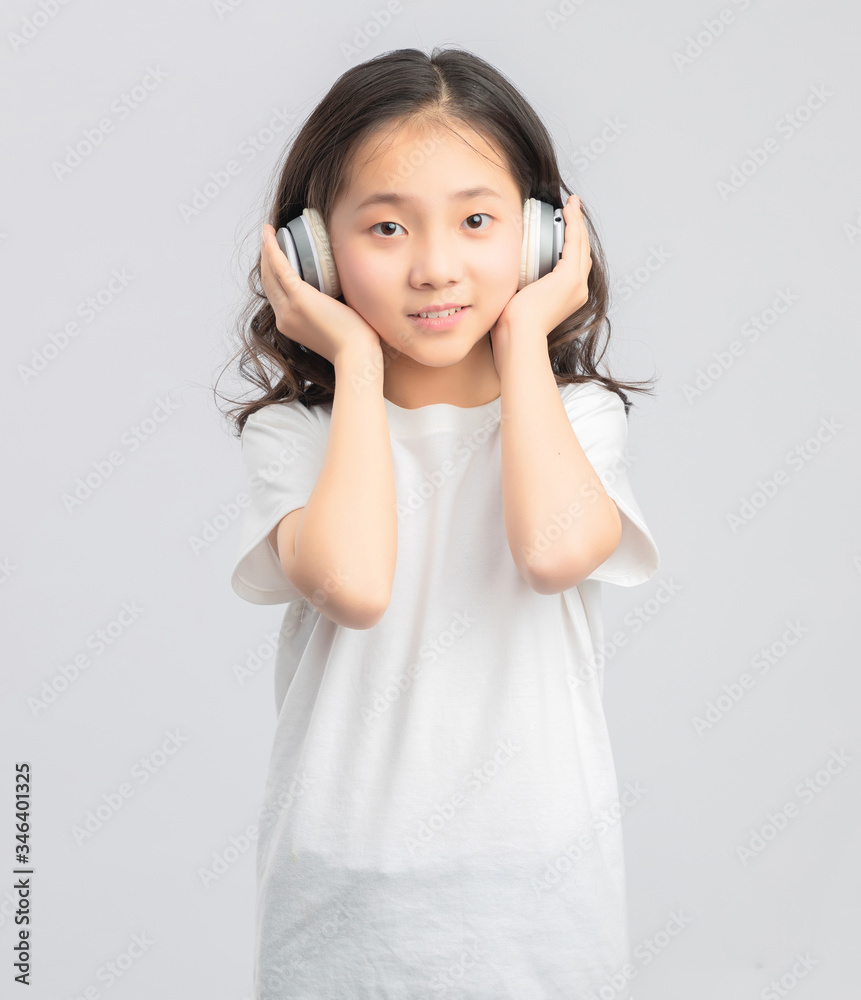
(434, 315)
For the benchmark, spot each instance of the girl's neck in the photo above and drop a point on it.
(473, 381)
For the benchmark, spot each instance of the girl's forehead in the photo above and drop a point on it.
(406, 158)
(429, 141)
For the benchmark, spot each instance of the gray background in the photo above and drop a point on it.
(693, 265)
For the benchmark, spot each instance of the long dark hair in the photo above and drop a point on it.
(449, 87)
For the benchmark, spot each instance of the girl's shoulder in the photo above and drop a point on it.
(291, 412)
(587, 397)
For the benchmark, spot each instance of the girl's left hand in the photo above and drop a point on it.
(544, 304)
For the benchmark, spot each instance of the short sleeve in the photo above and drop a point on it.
(282, 447)
(597, 415)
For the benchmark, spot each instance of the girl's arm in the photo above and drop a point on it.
(340, 551)
(559, 521)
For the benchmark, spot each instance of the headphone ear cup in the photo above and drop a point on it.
(305, 243)
(329, 282)
(543, 239)
(527, 247)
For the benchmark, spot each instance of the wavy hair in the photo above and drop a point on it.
(449, 88)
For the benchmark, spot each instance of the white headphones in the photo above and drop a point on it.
(305, 243)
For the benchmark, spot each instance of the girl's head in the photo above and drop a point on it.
(423, 127)
(433, 248)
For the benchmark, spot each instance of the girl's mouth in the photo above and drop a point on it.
(443, 321)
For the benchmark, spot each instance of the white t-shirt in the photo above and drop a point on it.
(438, 818)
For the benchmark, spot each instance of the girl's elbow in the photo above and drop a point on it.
(571, 569)
(357, 611)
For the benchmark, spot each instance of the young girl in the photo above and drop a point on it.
(437, 501)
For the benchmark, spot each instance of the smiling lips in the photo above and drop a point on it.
(445, 309)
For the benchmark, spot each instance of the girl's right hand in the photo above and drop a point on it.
(305, 314)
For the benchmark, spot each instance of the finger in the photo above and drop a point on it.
(576, 221)
(278, 265)
(271, 285)
(276, 280)
(585, 247)
(572, 244)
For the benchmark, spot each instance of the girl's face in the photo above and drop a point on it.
(406, 237)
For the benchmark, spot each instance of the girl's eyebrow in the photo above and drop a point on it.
(391, 198)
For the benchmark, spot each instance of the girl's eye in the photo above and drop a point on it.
(384, 224)
(476, 215)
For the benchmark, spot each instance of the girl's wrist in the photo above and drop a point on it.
(364, 361)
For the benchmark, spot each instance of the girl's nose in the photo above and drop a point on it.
(436, 261)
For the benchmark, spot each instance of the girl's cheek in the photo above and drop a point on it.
(370, 269)
(360, 276)
(503, 271)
